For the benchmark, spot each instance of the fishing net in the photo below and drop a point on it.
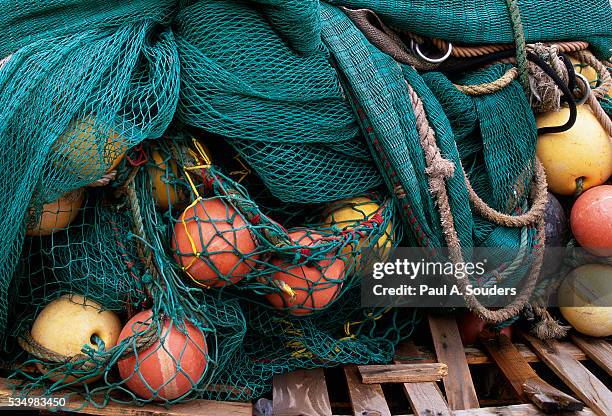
(346, 151)
(289, 300)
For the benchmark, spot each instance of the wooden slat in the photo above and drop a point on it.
(402, 373)
(525, 382)
(366, 399)
(195, 407)
(598, 350)
(425, 398)
(514, 410)
(301, 393)
(576, 376)
(458, 384)
(476, 356)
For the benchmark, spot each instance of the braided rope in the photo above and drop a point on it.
(587, 58)
(83, 361)
(519, 41)
(145, 254)
(539, 197)
(463, 51)
(104, 180)
(438, 170)
(490, 87)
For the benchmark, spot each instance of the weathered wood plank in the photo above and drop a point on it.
(402, 373)
(514, 410)
(426, 399)
(597, 349)
(475, 355)
(366, 399)
(76, 404)
(576, 376)
(458, 384)
(301, 393)
(524, 380)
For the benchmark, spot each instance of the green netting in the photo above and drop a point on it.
(226, 343)
(318, 113)
(483, 21)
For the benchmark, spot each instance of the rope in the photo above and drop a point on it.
(588, 58)
(490, 87)
(438, 170)
(519, 41)
(104, 180)
(605, 79)
(463, 51)
(539, 197)
(83, 361)
(145, 255)
(600, 114)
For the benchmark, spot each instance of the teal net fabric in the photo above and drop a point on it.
(378, 86)
(287, 117)
(484, 21)
(307, 103)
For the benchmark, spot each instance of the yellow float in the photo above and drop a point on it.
(57, 215)
(578, 157)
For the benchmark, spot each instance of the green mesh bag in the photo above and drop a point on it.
(241, 332)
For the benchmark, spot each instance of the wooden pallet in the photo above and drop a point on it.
(439, 381)
(431, 380)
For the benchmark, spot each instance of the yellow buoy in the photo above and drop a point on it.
(88, 149)
(585, 299)
(161, 174)
(580, 154)
(588, 71)
(350, 212)
(57, 215)
(69, 323)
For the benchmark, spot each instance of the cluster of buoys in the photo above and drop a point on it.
(215, 247)
(578, 161)
(166, 369)
(86, 148)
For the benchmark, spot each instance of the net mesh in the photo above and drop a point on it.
(231, 274)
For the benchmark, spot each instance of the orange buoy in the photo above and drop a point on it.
(57, 215)
(315, 285)
(170, 367)
(470, 327)
(89, 148)
(591, 220)
(213, 244)
(165, 194)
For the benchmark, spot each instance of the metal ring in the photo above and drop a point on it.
(420, 54)
(586, 91)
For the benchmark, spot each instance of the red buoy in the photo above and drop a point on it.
(315, 284)
(213, 243)
(591, 220)
(170, 367)
(470, 327)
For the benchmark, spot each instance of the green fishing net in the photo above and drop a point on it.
(254, 274)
